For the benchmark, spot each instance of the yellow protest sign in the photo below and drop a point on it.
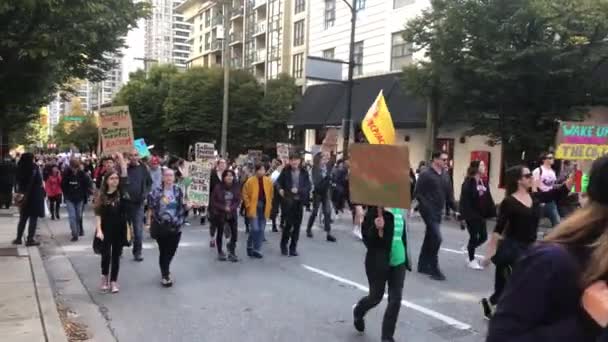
(580, 151)
(378, 123)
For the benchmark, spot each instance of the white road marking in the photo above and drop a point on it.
(434, 314)
(459, 252)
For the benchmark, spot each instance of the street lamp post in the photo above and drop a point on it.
(347, 122)
(226, 65)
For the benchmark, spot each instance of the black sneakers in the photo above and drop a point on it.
(233, 258)
(437, 275)
(32, 243)
(331, 238)
(221, 257)
(17, 242)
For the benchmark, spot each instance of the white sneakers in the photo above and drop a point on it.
(475, 265)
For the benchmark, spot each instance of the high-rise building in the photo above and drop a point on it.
(266, 37)
(166, 36)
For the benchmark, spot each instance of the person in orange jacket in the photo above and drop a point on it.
(257, 198)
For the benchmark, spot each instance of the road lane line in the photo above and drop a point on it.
(431, 313)
(459, 252)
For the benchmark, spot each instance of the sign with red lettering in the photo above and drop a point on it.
(380, 175)
(116, 130)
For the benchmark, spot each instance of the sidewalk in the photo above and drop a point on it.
(28, 312)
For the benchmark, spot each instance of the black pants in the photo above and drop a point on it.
(6, 197)
(226, 224)
(276, 206)
(54, 204)
(378, 279)
(478, 234)
(111, 250)
(293, 221)
(503, 272)
(320, 200)
(167, 246)
(31, 230)
(429, 252)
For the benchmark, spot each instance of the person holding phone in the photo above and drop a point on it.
(386, 262)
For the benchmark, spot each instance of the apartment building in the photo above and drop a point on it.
(379, 45)
(166, 34)
(265, 37)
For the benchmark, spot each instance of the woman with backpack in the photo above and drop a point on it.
(476, 206)
(167, 215)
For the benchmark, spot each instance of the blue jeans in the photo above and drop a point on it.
(136, 218)
(75, 216)
(256, 234)
(550, 212)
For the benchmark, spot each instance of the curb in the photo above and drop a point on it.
(51, 324)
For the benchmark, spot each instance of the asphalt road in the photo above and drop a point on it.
(306, 298)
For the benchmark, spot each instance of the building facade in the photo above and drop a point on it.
(167, 34)
(264, 36)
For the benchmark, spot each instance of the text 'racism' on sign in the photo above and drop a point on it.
(374, 179)
(116, 129)
(581, 141)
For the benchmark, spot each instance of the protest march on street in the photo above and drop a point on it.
(304, 171)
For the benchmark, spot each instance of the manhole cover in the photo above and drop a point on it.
(10, 251)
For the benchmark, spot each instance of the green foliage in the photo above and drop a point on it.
(174, 110)
(83, 135)
(45, 43)
(512, 67)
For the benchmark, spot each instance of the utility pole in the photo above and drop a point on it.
(226, 65)
(348, 121)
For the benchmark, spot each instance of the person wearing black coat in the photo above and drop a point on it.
(75, 185)
(294, 188)
(386, 262)
(30, 188)
(476, 206)
(223, 207)
(321, 178)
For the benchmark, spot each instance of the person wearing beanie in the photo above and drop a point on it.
(558, 291)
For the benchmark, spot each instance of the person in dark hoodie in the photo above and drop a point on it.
(225, 201)
(215, 179)
(138, 187)
(558, 291)
(386, 261)
(29, 189)
(321, 178)
(294, 188)
(75, 186)
(476, 206)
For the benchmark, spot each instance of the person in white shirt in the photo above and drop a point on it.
(546, 179)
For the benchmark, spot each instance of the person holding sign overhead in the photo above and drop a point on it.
(386, 261)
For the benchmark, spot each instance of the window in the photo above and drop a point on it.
(401, 3)
(298, 65)
(329, 53)
(358, 58)
(200, 27)
(330, 13)
(359, 4)
(298, 33)
(401, 52)
(300, 6)
(207, 40)
(207, 18)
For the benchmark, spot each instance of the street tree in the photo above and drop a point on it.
(511, 67)
(45, 43)
(282, 95)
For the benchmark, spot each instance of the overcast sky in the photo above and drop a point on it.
(135, 49)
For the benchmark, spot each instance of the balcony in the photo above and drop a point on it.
(217, 20)
(259, 57)
(237, 12)
(216, 45)
(236, 63)
(260, 28)
(258, 3)
(236, 38)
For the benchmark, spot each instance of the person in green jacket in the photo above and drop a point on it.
(386, 261)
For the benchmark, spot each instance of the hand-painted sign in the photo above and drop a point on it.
(374, 177)
(116, 129)
(141, 147)
(283, 152)
(204, 151)
(581, 141)
(198, 191)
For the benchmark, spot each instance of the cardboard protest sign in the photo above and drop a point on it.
(141, 147)
(198, 191)
(204, 151)
(241, 160)
(581, 141)
(115, 129)
(380, 175)
(330, 142)
(283, 152)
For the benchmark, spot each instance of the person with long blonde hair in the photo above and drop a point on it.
(558, 291)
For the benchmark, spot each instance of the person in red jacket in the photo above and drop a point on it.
(52, 186)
